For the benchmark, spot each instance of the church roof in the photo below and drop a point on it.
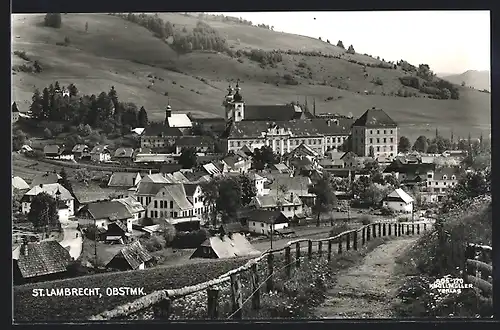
(375, 118)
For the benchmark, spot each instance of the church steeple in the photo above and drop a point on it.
(237, 95)
(168, 112)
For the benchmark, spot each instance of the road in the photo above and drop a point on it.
(72, 238)
(367, 290)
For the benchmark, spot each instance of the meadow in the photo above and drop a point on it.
(144, 70)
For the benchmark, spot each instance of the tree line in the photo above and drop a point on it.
(439, 144)
(436, 87)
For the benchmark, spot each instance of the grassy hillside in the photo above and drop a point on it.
(117, 52)
(476, 79)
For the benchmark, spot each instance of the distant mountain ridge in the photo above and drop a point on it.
(474, 78)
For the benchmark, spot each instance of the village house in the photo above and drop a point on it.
(227, 246)
(132, 257)
(177, 120)
(279, 168)
(354, 162)
(15, 112)
(124, 154)
(55, 190)
(46, 178)
(201, 144)
(26, 149)
(54, 151)
(102, 213)
(159, 137)
(116, 232)
(236, 163)
(134, 207)
(39, 261)
(375, 134)
(438, 182)
(296, 185)
(18, 183)
(155, 158)
(81, 151)
(164, 200)
(262, 221)
(100, 153)
(281, 127)
(217, 125)
(124, 179)
(399, 201)
(409, 173)
(216, 168)
(194, 195)
(290, 204)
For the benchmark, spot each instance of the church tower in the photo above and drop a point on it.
(234, 104)
(168, 113)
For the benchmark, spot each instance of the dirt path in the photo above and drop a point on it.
(367, 290)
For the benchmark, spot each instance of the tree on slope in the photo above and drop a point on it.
(340, 44)
(142, 117)
(53, 20)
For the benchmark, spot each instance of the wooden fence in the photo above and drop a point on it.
(262, 276)
(478, 269)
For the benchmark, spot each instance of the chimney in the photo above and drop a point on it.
(41, 185)
(329, 122)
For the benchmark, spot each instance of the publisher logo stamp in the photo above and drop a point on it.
(450, 285)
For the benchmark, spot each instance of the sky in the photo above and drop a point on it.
(449, 41)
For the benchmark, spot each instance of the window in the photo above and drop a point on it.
(175, 214)
(391, 131)
(435, 183)
(261, 224)
(445, 177)
(156, 204)
(429, 176)
(231, 143)
(453, 177)
(385, 140)
(378, 131)
(309, 141)
(254, 223)
(371, 140)
(171, 204)
(378, 140)
(371, 131)
(378, 148)
(445, 183)
(238, 143)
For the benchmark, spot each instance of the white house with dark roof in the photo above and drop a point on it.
(201, 144)
(100, 153)
(438, 182)
(237, 163)
(132, 257)
(225, 246)
(375, 134)
(81, 151)
(133, 206)
(55, 190)
(164, 200)
(55, 151)
(289, 204)
(262, 221)
(102, 213)
(194, 194)
(399, 201)
(124, 179)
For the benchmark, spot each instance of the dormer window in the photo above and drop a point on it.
(453, 177)
(445, 177)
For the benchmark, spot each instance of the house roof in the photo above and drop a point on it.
(118, 224)
(132, 205)
(170, 168)
(194, 141)
(178, 194)
(303, 150)
(178, 177)
(439, 173)
(14, 107)
(80, 148)
(99, 149)
(150, 188)
(211, 168)
(156, 129)
(373, 118)
(265, 216)
(298, 128)
(123, 179)
(52, 149)
(179, 120)
(134, 254)
(282, 168)
(232, 160)
(190, 188)
(155, 178)
(42, 258)
(51, 189)
(296, 184)
(272, 200)
(400, 194)
(19, 183)
(112, 210)
(153, 158)
(124, 152)
(197, 176)
(225, 247)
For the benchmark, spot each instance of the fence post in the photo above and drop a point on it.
(379, 229)
(340, 244)
(236, 296)
(254, 273)
(213, 303)
(425, 226)
(329, 256)
(413, 229)
(310, 249)
(418, 228)
(389, 225)
(348, 241)
(355, 241)
(374, 230)
(363, 236)
(368, 233)
(399, 229)
(163, 309)
(297, 254)
(384, 229)
(396, 229)
(320, 248)
(288, 261)
(270, 266)
(407, 229)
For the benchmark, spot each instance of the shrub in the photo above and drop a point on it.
(377, 81)
(402, 219)
(365, 219)
(192, 239)
(53, 20)
(154, 243)
(338, 228)
(22, 54)
(91, 232)
(58, 129)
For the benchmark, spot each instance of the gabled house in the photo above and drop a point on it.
(279, 168)
(46, 178)
(215, 168)
(290, 205)
(37, 261)
(408, 171)
(18, 183)
(202, 144)
(228, 246)
(438, 182)
(177, 177)
(100, 153)
(236, 163)
(399, 201)
(81, 151)
(55, 190)
(124, 154)
(132, 257)
(354, 162)
(159, 137)
(103, 213)
(116, 232)
(54, 151)
(124, 179)
(296, 185)
(262, 221)
(164, 200)
(134, 207)
(194, 195)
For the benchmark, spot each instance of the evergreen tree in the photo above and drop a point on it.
(142, 118)
(73, 91)
(340, 44)
(46, 106)
(56, 86)
(350, 50)
(36, 107)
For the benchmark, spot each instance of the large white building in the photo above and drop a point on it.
(375, 134)
(53, 189)
(399, 201)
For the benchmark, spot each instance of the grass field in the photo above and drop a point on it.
(32, 309)
(119, 53)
